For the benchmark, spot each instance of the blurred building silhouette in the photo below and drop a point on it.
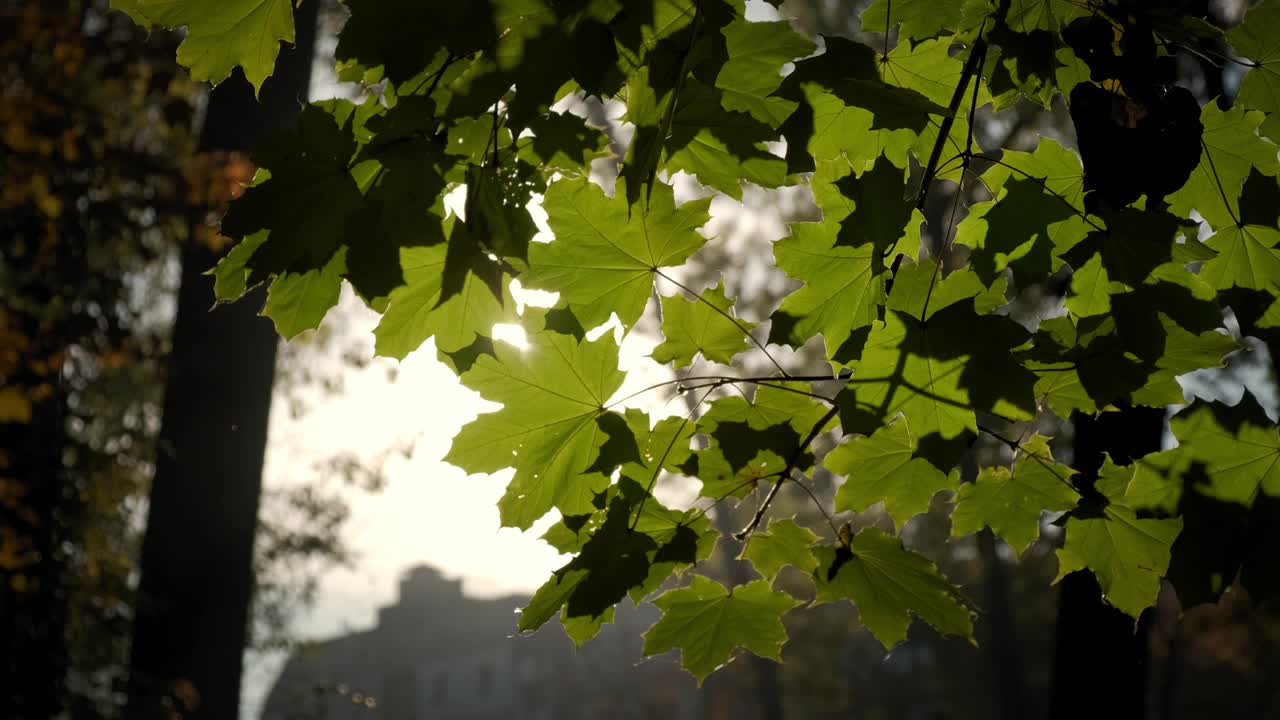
(442, 655)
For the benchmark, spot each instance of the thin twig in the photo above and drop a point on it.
(762, 383)
(785, 474)
(657, 468)
(732, 491)
(1013, 444)
(817, 503)
(976, 53)
(888, 13)
(843, 376)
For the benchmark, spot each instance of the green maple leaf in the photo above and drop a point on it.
(1128, 554)
(1152, 484)
(707, 622)
(404, 36)
(1185, 351)
(1138, 250)
(563, 143)
(1060, 388)
(916, 19)
(872, 208)
(757, 51)
(553, 395)
(1010, 500)
(419, 309)
(306, 197)
(783, 543)
(1230, 149)
(299, 301)
(1091, 289)
(1026, 16)
(1023, 230)
(1270, 128)
(1238, 446)
(661, 43)
(232, 276)
(1248, 257)
(920, 290)
(889, 583)
(473, 138)
(936, 373)
(1056, 168)
(297, 213)
(664, 446)
(1037, 214)
(221, 35)
(607, 252)
(752, 440)
(723, 149)
(627, 550)
(849, 115)
(842, 290)
(1256, 39)
(834, 124)
(1029, 57)
(844, 259)
(402, 208)
(706, 325)
(882, 467)
(928, 68)
(539, 47)
(298, 217)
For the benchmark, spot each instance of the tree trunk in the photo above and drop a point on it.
(36, 521)
(194, 595)
(1100, 661)
(1002, 631)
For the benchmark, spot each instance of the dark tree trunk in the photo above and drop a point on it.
(37, 518)
(197, 557)
(1002, 632)
(1100, 663)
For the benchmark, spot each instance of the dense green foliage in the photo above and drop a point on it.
(1161, 235)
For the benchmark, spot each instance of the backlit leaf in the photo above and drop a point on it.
(707, 622)
(889, 584)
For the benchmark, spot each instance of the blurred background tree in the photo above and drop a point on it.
(96, 123)
(99, 188)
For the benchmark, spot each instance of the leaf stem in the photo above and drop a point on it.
(725, 496)
(783, 476)
(657, 468)
(842, 377)
(1218, 181)
(888, 14)
(976, 54)
(951, 222)
(762, 383)
(817, 503)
